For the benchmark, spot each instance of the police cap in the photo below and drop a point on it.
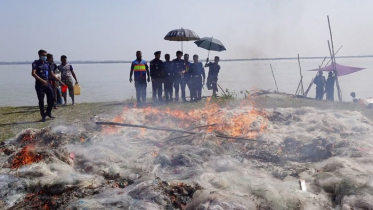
(157, 52)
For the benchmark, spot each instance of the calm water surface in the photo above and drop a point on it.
(109, 82)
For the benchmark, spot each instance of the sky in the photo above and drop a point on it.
(97, 30)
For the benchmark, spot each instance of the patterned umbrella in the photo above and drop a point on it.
(181, 35)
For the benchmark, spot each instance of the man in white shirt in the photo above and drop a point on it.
(67, 75)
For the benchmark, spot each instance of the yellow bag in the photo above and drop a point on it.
(77, 89)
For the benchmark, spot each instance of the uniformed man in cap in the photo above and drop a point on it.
(212, 78)
(41, 72)
(168, 78)
(156, 73)
(178, 67)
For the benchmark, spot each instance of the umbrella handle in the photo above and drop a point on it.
(208, 54)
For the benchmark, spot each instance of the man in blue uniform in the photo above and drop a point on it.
(168, 78)
(212, 78)
(54, 68)
(320, 85)
(329, 87)
(41, 73)
(197, 79)
(178, 68)
(156, 73)
(185, 77)
(140, 69)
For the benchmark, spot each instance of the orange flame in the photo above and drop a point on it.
(245, 122)
(27, 137)
(26, 156)
(82, 139)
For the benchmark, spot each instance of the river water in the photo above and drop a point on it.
(109, 82)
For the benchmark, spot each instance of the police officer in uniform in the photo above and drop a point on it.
(41, 73)
(212, 78)
(156, 73)
(320, 84)
(197, 79)
(54, 68)
(178, 68)
(329, 87)
(185, 78)
(168, 78)
(140, 69)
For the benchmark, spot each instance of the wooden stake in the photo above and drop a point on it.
(171, 130)
(333, 61)
(309, 87)
(144, 126)
(300, 86)
(274, 77)
(335, 74)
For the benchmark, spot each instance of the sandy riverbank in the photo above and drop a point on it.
(14, 119)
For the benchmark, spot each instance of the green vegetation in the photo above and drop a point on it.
(14, 119)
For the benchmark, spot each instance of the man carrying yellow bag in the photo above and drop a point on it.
(67, 75)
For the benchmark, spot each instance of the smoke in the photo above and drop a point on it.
(132, 168)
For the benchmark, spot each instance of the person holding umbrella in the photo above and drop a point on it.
(209, 43)
(197, 79)
(178, 68)
(140, 69)
(212, 78)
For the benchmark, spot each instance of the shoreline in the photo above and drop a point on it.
(15, 119)
(222, 60)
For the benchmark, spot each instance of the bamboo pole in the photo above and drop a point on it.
(274, 77)
(335, 73)
(300, 86)
(202, 126)
(309, 87)
(172, 130)
(333, 61)
(334, 55)
(238, 138)
(144, 126)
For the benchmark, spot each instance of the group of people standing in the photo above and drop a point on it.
(324, 86)
(48, 79)
(173, 75)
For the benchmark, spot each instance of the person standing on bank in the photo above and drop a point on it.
(185, 78)
(197, 79)
(319, 81)
(178, 68)
(54, 68)
(156, 73)
(41, 73)
(329, 87)
(67, 75)
(168, 78)
(212, 78)
(140, 69)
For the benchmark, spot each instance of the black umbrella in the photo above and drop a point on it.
(209, 43)
(181, 35)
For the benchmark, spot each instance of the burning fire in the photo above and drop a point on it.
(26, 156)
(82, 139)
(245, 121)
(27, 137)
